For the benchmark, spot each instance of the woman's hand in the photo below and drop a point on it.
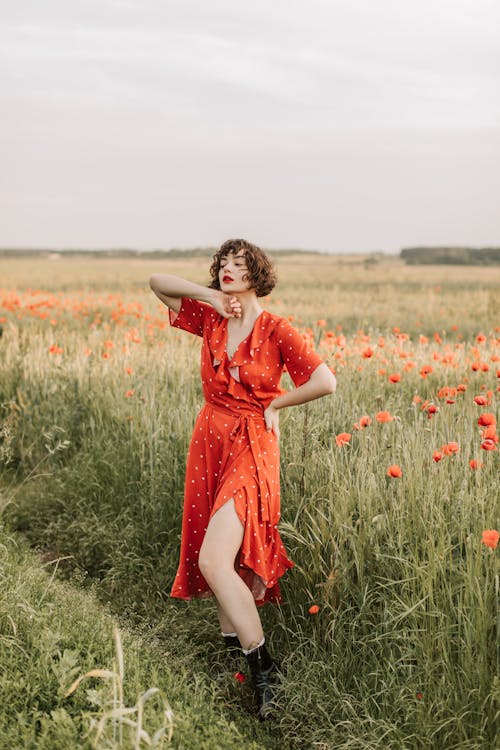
(226, 305)
(272, 418)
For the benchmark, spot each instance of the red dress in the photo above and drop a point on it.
(231, 455)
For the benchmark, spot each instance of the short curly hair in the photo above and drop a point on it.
(261, 272)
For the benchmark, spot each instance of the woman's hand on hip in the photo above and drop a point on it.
(272, 418)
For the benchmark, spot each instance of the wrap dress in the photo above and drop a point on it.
(231, 455)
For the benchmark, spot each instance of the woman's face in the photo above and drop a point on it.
(233, 272)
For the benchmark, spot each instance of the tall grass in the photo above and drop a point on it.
(402, 650)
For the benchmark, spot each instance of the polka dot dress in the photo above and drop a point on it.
(231, 455)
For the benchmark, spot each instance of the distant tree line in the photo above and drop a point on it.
(195, 252)
(459, 256)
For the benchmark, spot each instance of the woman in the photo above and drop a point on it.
(230, 544)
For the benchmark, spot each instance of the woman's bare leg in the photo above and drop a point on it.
(220, 546)
(226, 625)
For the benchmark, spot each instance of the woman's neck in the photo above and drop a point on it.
(250, 308)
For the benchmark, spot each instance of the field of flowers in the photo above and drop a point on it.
(390, 488)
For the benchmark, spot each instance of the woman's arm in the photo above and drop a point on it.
(170, 290)
(321, 382)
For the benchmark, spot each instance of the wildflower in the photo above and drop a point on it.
(431, 409)
(239, 676)
(394, 471)
(321, 323)
(461, 388)
(437, 456)
(480, 338)
(480, 400)
(488, 445)
(129, 371)
(395, 377)
(450, 448)
(130, 393)
(490, 432)
(105, 355)
(474, 464)
(343, 438)
(367, 353)
(425, 370)
(384, 416)
(365, 421)
(417, 399)
(490, 538)
(420, 696)
(486, 419)
(314, 609)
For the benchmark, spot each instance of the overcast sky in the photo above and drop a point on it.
(341, 125)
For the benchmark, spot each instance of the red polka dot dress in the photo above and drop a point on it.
(231, 455)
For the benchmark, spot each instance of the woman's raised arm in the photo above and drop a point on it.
(170, 289)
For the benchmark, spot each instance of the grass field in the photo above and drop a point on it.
(388, 488)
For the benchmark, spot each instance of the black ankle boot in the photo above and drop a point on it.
(263, 671)
(233, 645)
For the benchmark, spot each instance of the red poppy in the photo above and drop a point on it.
(384, 416)
(490, 433)
(395, 377)
(130, 393)
(343, 438)
(488, 445)
(367, 353)
(394, 471)
(437, 456)
(474, 464)
(425, 370)
(420, 696)
(365, 421)
(480, 338)
(239, 676)
(450, 448)
(480, 400)
(313, 609)
(490, 538)
(486, 419)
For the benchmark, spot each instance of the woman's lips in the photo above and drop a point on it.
(226, 279)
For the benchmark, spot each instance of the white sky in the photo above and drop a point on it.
(341, 125)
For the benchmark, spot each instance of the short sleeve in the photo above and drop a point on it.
(191, 316)
(299, 357)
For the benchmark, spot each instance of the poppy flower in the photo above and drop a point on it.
(129, 371)
(490, 432)
(480, 338)
(437, 456)
(239, 676)
(313, 609)
(395, 377)
(343, 438)
(450, 448)
(425, 370)
(488, 445)
(486, 419)
(420, 696)
(474, 464)
(367, 353)
(130, 393)
(365, 421)
(384, 416)
(394, 471)
(480, 400)
(431, 409)
(490, 538)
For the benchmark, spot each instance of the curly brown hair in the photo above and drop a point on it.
(261, 273)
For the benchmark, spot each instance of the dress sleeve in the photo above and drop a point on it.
(299, 357)
(191, 316)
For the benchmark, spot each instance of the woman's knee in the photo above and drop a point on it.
(213, 564)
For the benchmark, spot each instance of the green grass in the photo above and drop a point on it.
(51, 632)
(402, 653)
